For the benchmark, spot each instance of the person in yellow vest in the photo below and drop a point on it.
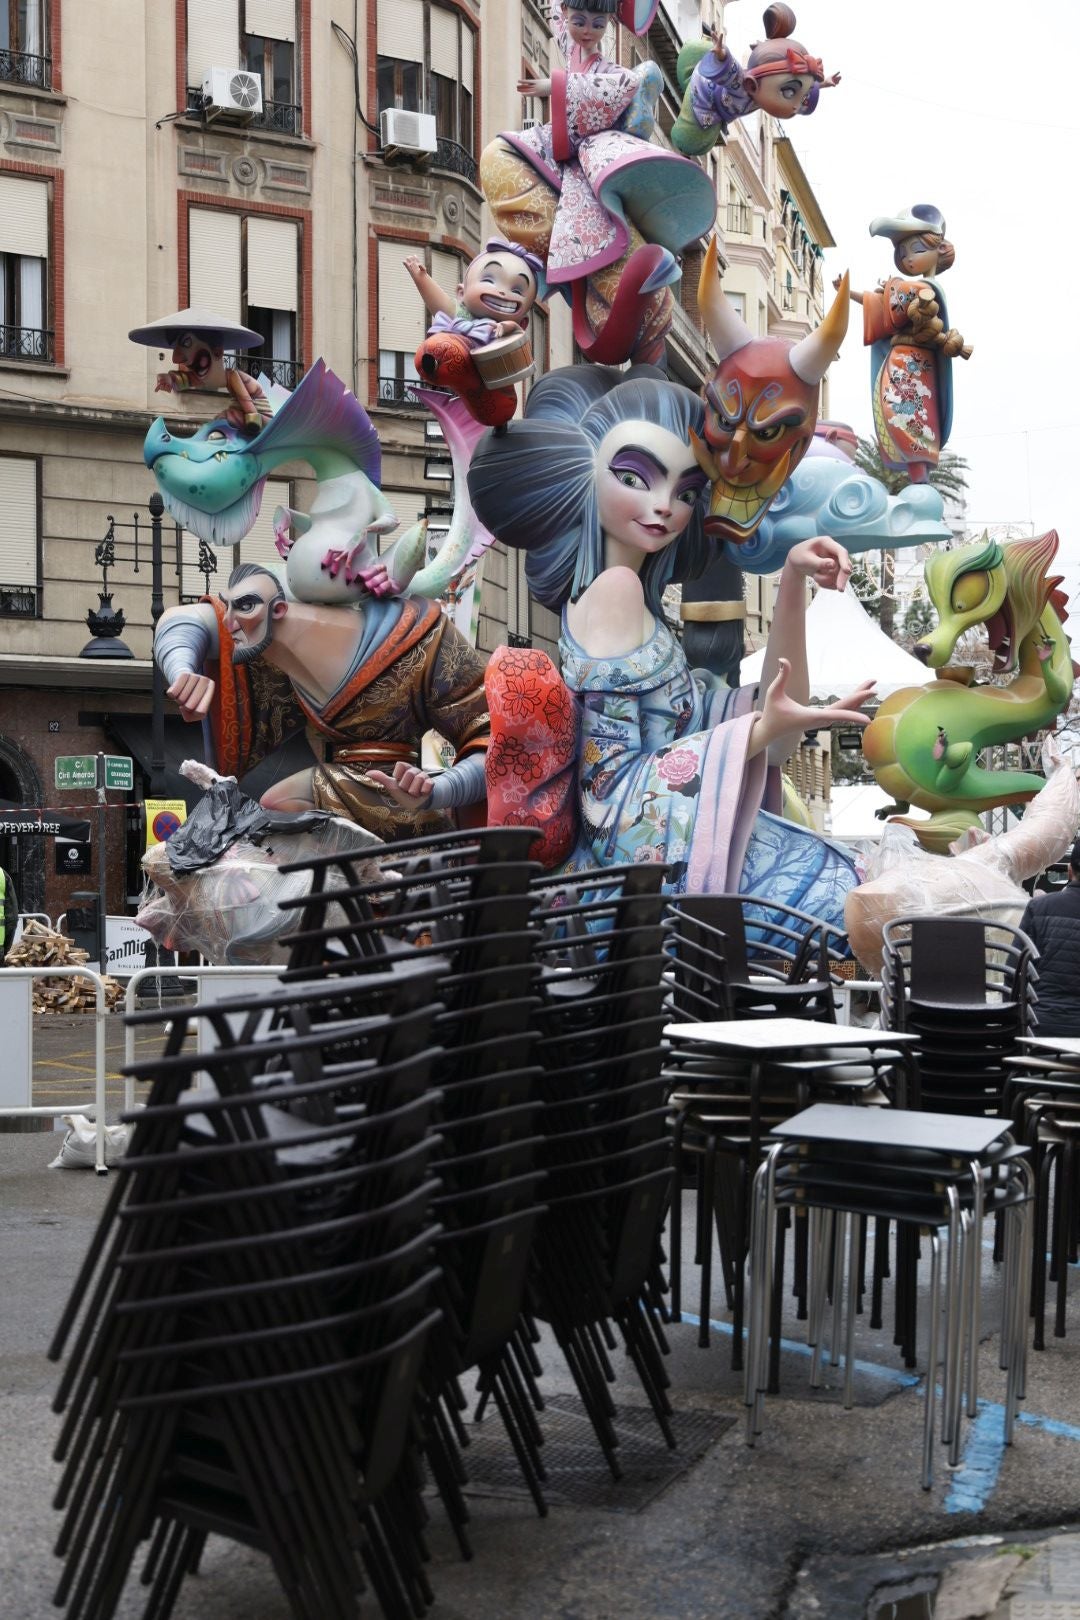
(9, 913)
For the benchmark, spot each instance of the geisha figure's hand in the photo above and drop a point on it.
(781, 716)
(534, 87)
(719, 49)
(831, 82)
(822, 560)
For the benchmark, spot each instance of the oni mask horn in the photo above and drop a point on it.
(727, 330)
(812, 356)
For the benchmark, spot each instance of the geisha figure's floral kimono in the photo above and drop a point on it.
(912, 382)
(586, 191)
(662, 774)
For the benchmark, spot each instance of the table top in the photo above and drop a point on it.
(785, 1035)
(1068, 1044)
(960, 1134)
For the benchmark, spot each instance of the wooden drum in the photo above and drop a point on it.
(506, 361)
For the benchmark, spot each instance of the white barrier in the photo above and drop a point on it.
(214, 984)
(17, 1070)
(25, 917)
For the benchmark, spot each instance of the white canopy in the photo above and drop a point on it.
(845, 647)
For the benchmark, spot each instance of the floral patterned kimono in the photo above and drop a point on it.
(663, 775)
(912, 383)
(587, 190)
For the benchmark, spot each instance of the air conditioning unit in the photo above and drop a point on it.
(410, 133)
(233, 94)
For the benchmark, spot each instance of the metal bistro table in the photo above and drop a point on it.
(765, 1040)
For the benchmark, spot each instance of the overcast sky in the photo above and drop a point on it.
(976, 108)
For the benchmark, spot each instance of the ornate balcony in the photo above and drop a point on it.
(279, 117)
(287, 373)
(454, 159)
(394, 394)
(26, 343)
(20, 67)
(739, 218)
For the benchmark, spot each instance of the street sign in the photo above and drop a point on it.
(119, 773)
(75, 771)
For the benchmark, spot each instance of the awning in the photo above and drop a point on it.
(184, 741)
(17, 822)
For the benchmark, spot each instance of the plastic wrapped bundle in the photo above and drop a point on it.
(216, 886)
(980, 878)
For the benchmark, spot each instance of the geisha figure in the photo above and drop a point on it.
(780, 78)
(494, 300)
(913, 347)
(600, 484)
(604, 209)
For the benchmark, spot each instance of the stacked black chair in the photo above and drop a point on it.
(257, 1299)
(465, 897)
(754, 957)
(597, 1258)
(967, 988)
(1042, 1098)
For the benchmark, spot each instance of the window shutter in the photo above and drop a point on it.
(271, 262)
(402, 316)
(468, 49)
(213, 38)
(444, 42)
(214, 262)
(18, 521)
(257, 546)
(447, 271)
(271, 19)
(24, 217)
(401, 29)
(408, 505)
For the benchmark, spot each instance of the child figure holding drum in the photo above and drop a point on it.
(477, 344)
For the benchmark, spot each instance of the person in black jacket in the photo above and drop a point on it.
(1052, 923)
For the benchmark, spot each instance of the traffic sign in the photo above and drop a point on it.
(119, 773)
(75, 771)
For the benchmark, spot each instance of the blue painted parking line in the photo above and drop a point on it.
(974, 1482)
(873, 1369)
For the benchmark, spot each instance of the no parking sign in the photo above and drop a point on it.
(163, 817)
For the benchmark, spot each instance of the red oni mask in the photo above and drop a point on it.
(761, 407)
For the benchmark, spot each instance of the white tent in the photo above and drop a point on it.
(844, 647)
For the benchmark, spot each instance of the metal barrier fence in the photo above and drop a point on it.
(213, 984)
(17, 1022)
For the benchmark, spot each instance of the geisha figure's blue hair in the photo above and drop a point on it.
(534, 485)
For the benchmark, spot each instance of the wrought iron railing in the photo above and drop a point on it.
(454, 159)
(26, 343)
(20, 601)
(739, 218)
(394, 393)
(287, 373)
(283, 117)
(22, 67)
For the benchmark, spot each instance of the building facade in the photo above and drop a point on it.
(136, 179)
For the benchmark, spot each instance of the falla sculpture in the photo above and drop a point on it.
(906, 326)
(592, 196)
(924, 743)
(780, 78)
(601, 485)
(761, 406)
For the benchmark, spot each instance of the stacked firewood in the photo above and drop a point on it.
(39, 947)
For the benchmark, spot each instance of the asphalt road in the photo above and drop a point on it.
(775, 1533)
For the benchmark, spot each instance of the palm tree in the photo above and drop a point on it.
(948, 478)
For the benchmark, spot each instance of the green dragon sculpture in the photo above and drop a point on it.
(924, 743)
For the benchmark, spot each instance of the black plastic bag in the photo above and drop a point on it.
(223, 815)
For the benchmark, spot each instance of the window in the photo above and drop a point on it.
(20, 544)
(24, 57)
(737, 300)
(402, 323)
(426, 63)
(246, 267)
(24, 257)
(259, 35)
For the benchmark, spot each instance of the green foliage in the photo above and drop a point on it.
(949, 477)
